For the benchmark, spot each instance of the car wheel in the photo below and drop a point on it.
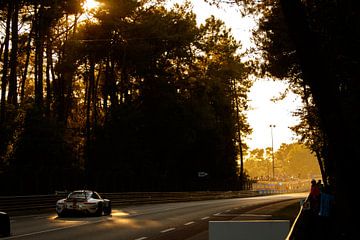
(107, 209)
(99, 210)
(61, 214)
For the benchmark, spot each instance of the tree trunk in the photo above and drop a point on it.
(59, 87)
(4, 79)
(12, 96)
(2, 45)
(241, 174)
(39, 57)
(337, 117)
(27, 61)
(105, 90)
(90, 92)
(48, 76)
(112, 87)
(95, 95)
(124, 80)
(88, 132)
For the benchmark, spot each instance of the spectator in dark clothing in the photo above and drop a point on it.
(320, 185)
(314, 198)
(327, 201)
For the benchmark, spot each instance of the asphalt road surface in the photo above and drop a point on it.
(170, 221)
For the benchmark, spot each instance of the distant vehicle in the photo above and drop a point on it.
(85, 202)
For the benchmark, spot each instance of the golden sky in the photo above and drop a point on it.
(263, 111)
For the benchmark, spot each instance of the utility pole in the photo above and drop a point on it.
(237, 109)
(272, 150)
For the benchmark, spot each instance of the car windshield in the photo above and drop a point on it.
(95, 195)
(83, 195)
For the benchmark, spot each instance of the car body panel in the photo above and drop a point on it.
(85, 202)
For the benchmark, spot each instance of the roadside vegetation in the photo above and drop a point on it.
(130, 96)
(291, 161)
(314, 46)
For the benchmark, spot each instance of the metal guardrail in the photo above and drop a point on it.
(15, 204)
(292, 232)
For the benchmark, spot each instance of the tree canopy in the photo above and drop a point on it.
(132, 96)
(292, 161)
(314, 44)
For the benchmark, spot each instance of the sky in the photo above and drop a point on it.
(262, 112)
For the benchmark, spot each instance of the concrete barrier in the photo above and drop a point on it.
(4, 224)
(249, 230)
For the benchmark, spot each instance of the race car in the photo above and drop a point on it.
(83, 202)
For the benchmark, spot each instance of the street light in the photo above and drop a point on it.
(272, 150)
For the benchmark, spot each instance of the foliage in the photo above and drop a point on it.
(315, 45)
(291, 161)
(136, 98)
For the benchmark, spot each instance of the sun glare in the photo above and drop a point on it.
(89, 5)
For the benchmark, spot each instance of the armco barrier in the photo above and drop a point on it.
(293, 229)
(16, 204)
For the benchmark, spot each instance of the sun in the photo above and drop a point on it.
(89, 5)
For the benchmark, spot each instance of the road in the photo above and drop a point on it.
(171, 221)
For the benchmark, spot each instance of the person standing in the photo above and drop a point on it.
(314, 198)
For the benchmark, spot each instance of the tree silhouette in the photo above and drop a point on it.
(135, 97)
(314, 44)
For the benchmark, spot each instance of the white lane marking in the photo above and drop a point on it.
(168, 230)
(28, 216)
(227, 211)
(142, 238)
(204, 218)
(53, 229)
(189, 223)
(217, 214)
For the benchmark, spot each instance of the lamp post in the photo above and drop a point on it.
(272, 150)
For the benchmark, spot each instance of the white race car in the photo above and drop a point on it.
(83, 201)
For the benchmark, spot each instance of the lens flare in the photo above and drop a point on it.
(89, 5)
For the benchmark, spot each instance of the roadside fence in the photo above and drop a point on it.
(19, 204)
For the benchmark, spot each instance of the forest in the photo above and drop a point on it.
(137, 96)
(291, 162)
(132, 96)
